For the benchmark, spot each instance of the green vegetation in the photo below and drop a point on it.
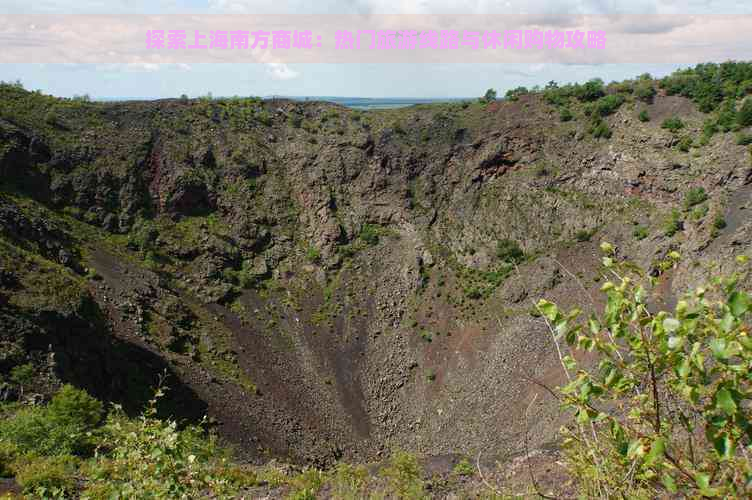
(48, 446)
(643, 116)
(509, 251)
(565, 115)
(684, 144)
(464, 468)
(489, 96)
(640, 233)
(599, 128)
(584, 235)
(664, 411)
(744, 118)
(674, 124)
(514, 94)
(743, 139)
(673, 224)
(695, 196)
(608, 104)
(644, 89)
(710, 84)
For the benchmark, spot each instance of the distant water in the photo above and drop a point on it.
(378, 102)
(364, 103)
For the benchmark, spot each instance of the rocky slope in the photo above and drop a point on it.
(328, 283)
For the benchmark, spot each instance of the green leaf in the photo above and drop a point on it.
(636, 449)
(724, 401)
(549, 310)
(720, 349)
(656, 452)
(669, 483)
(702, 480)
(738, 303)
(724, 446)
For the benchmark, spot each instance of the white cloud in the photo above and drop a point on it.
(280, 71)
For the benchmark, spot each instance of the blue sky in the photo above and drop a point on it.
(363, 80)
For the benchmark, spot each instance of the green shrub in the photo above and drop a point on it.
(743, 139)
(22, 375)
(47, 477)
(590, 91)
(744, 117)
(405, 476)
(514, 94)
(699, 212)
(643, 116)
(463, 468)
(599, 129)
(609, 104)
(584, 235)
(673, 124)
(33, 430)
(640, 233)
(313, 254)
(684, 144)
(489, 96)
(509, 251)
(644, 91)
(663, 410)
(565, 115)
(673, 224)
(370, 234)
(71, 406)
(695, 196)
(719, 222)
(8, 454)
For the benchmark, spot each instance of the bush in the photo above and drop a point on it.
(591, 91)
(673, 224)
(509, 251)
(489, 96)
(664, 410)
(640, 233)
(22, 375)
(370, 234)
(719, 222)
(584, 235)
(59, 429)
(514, 94)
(684, 144)
(405, 474)
(464, 468)
(644, 91)
(609, 104)
(643, 116)
(8, 454)
(744, 117)
(599, 129)
(695, 196)
(565, 115)
(673, 124)
(71, 406)
(743, 139)
(47, 477)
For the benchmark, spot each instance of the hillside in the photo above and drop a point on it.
(329, 284)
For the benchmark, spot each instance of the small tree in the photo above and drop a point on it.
(666, 410)
(744, 117)
(22, 375)
(490, 95)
